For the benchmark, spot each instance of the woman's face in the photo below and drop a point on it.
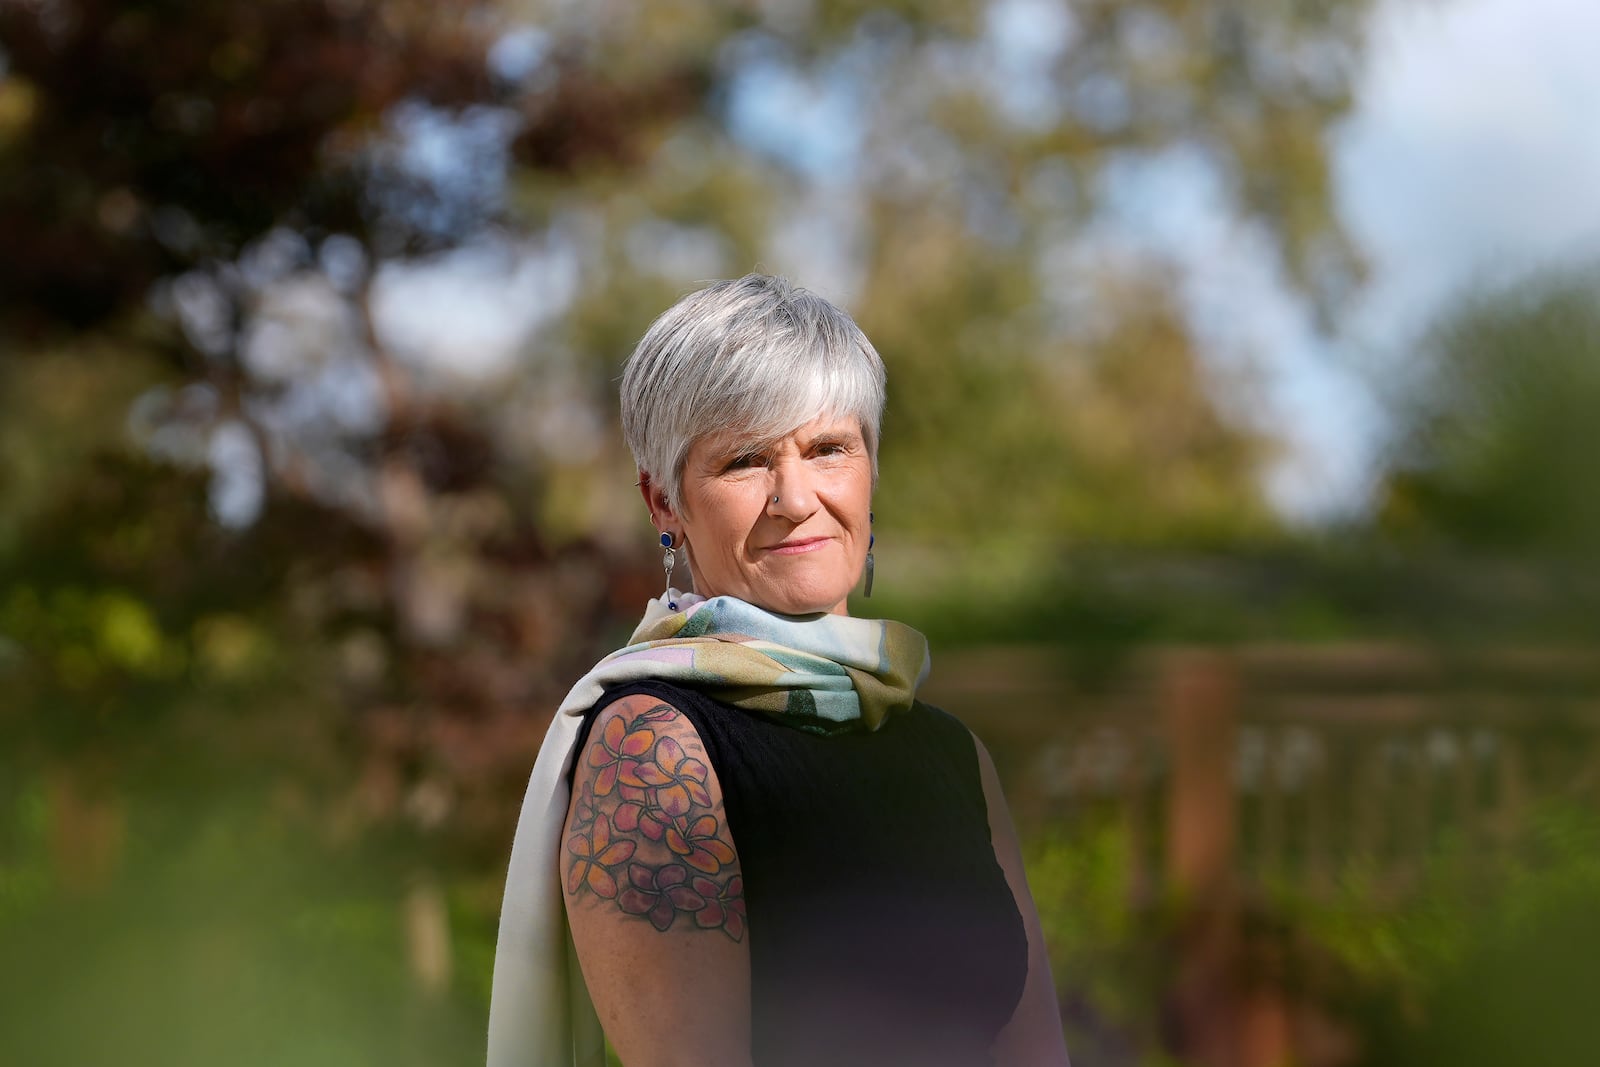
(798, 555)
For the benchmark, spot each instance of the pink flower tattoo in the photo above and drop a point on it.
(659, 894)
(592, 854)
(699, 844)
(638, 812)
(679, 780)
(620, 746)
(724, 905)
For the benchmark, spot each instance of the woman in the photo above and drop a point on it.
(745, 842)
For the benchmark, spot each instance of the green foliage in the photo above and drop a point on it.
(1105, 961)
(1498, 439)
(1486, 967)
(1488, 960)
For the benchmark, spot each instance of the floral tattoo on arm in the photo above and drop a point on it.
(646, 833)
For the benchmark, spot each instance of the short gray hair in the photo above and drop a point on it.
(754, 356)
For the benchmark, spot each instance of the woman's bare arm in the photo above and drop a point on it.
(1033, 1037)
(654, 894)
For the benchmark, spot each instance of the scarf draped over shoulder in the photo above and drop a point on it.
(824, 674)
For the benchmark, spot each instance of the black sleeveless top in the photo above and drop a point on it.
(881, 927)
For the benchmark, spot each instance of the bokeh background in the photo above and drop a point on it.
(1239, 464)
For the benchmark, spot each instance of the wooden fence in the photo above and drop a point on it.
(1244, 771)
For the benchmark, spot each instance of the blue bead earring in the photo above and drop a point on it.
(871, 539)
(669, 560)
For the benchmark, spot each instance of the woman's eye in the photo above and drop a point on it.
(749, 460)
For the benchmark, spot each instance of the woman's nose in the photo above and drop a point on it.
(793, 496)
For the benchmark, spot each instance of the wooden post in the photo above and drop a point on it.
(1509, 809)
(86, 826)
(1322, 787)
(1270, 808)
(1136, 819)
(426, 920)
(1419, 812)
(1200, 694)
(1370, 780)
(1217, 1022)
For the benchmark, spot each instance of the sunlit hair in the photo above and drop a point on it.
(754, 356)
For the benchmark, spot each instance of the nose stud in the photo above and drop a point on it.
(774, 500)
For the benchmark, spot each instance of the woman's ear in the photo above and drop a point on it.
(661, 513)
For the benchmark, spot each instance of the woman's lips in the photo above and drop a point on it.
(795, 548)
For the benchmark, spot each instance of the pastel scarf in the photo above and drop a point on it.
(822, 673)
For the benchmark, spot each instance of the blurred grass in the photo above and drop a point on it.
(228, 935)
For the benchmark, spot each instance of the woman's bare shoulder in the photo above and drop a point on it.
(654, 892)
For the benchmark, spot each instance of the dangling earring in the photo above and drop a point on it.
(669, 559)
(870, 539)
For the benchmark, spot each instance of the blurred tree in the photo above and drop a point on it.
(261, 186)
(254, 579)
(141, 139)
(241, 172)
(954, 171)
(1497, 435)
(1111, 434)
